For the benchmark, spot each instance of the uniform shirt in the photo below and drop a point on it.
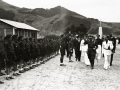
(63, 43)
(9, 46)
(1, 46)
(77, 44)
(99, 41)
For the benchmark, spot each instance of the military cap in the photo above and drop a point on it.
(110, 35)
(8, 36)
(90, 36)
(20, 37)
(25, 38)
(1, 36)
(14, 36)
(30, 38)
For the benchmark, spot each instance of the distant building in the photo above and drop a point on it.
(12, 27)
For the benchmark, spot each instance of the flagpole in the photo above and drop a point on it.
(100, 31)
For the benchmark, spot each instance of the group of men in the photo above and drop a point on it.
(89, 48)
(19, 54)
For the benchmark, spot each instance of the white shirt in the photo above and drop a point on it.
(83, 47)
(105, 46)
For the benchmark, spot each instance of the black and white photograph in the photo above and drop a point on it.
(59, 44)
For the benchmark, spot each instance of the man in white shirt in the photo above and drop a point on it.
(107, 47)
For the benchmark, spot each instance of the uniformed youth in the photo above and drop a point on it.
(92, 46)
(27, 54)
(10, 56)
(77, 48)
(22, 53)
(3, 56)
(17, 53)
(70, 49)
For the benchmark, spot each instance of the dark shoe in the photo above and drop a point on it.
(1, 82)
(70, 61)
(36, 65)
(11, 77)
(1, 74)
(92, 67)
(21, 71)
(14, 74)
(18, 73)
(79, 60)
(62, 65)
(7, 78)
(110, 64)
(31, 67)
(26, 69)
(43, 62)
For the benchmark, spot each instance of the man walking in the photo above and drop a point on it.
(92, 50)
(114, 47)
(62, 49)
(77, 48)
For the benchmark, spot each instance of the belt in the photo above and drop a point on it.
(106, 49)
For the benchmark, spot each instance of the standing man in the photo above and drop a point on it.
(3, 56)
(32, 52)
(70, 48)
(114, 47)
(10, 55)
(21, 53)
(16, 51)
(92, 50)
(27, 54)
(62, 49)
(77, 48)
(107, 47)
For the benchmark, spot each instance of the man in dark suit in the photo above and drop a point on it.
(62, 49)
(77, 48)
(92, 46)
(114, 47)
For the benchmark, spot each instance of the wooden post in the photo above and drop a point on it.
(13, 31)
(4, 32)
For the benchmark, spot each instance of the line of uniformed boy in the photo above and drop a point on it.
(19, 54)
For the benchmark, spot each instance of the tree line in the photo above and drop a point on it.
(81, 29)
(6, 14)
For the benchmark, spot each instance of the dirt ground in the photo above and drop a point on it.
(74, 76)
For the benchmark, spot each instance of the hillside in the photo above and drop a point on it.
(54, 20)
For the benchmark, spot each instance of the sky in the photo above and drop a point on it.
(104, 10)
